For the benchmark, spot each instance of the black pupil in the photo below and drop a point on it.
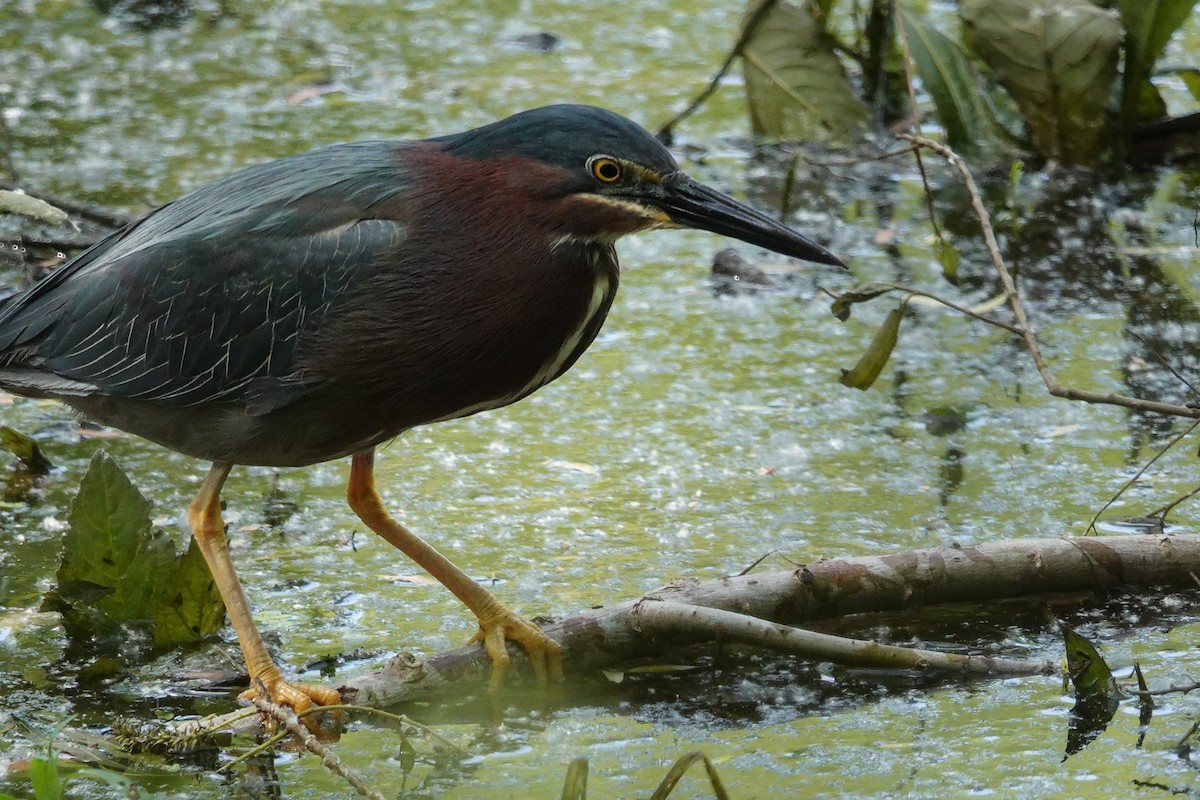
(608, 171)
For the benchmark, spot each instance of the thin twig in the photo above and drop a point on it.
(661, 617)
(1187, 688)
(1162, 511)
(1027, 332)
(1162, 360)
(269, 744)
(1137, 475)
(958, 308)
(401, 719)
(747, 31)
(290, 721)
(853, 162)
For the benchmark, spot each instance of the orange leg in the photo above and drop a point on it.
(204, 515)
(496, 622)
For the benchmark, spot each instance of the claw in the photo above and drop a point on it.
(545, 654)
(299, 697)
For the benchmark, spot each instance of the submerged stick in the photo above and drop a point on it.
(689, 622)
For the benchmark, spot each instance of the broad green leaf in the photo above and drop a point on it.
(1149, 25)
(947, 75)
(796, 87)
(1058, 60)
(75, 602)
(25, 449)
(1090, 675)
(1097, 695)
(109, 543)
(189, 607)
(872, 362)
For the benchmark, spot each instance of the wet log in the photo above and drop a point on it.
(821, 590)
(762, 609)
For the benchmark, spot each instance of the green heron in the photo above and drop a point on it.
(317, 306)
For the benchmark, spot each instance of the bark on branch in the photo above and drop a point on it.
(821, 590)
(752, 608)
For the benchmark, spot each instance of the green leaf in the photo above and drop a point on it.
(796, 87)
(575, 786)
(947, 256)
(109, 543)
(1191, 79)
(25, 449)
(872, 362)
(1097, 695)
(189, 607)
(947, 75)
(1058, 60)
(1149, 25)
(1089, 673)
(74, 601)
(840, 307)
(47, 783)
(408, 756)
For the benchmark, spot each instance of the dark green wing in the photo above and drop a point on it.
(207, 298)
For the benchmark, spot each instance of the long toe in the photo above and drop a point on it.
(299, 697)
(545, 654)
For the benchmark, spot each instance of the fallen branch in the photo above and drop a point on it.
(822, 590)
(328, 758)
(688, 622)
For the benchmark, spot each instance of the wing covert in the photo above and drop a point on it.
(207, 298)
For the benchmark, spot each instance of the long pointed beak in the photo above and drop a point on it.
(694, 205)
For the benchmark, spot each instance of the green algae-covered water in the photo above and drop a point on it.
(699, 432)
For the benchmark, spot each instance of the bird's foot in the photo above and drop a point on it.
(503, 625)
(299, 697)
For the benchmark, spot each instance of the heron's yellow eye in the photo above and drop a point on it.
(606, 169)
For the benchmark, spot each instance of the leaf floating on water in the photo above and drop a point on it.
(117, 571)
(110, 543)
(876, 356)
(573, 466)
(1097, 694)
(25, 449)
(191, 607)
(415, 580)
